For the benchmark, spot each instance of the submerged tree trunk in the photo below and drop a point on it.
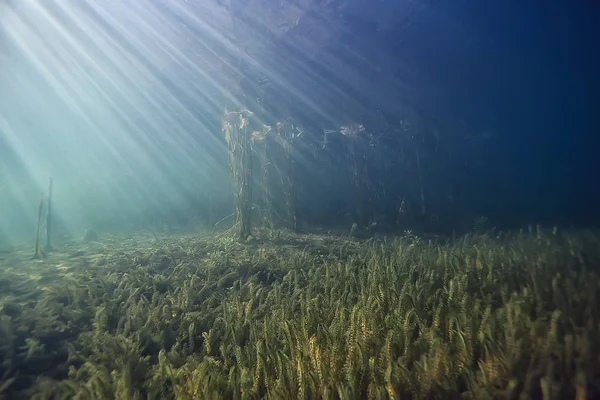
(287, 136)
(360, 172)
(361, 188)
(237, 134)
(261, 146)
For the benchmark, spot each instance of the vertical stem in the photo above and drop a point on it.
(264, 163)
(287, 141)
(39, 223)
(246, 185)
(49, 217)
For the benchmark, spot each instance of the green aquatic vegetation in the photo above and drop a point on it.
(307, 316)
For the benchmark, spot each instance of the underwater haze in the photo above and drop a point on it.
(299, 199)
(121, 102)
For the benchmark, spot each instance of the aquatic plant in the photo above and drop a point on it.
(513, 315)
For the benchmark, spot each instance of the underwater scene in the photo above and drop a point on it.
(299, 199)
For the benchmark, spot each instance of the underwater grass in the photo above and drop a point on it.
(286, 316)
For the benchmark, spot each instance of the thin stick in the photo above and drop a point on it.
(37, 235)
(49, 217)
